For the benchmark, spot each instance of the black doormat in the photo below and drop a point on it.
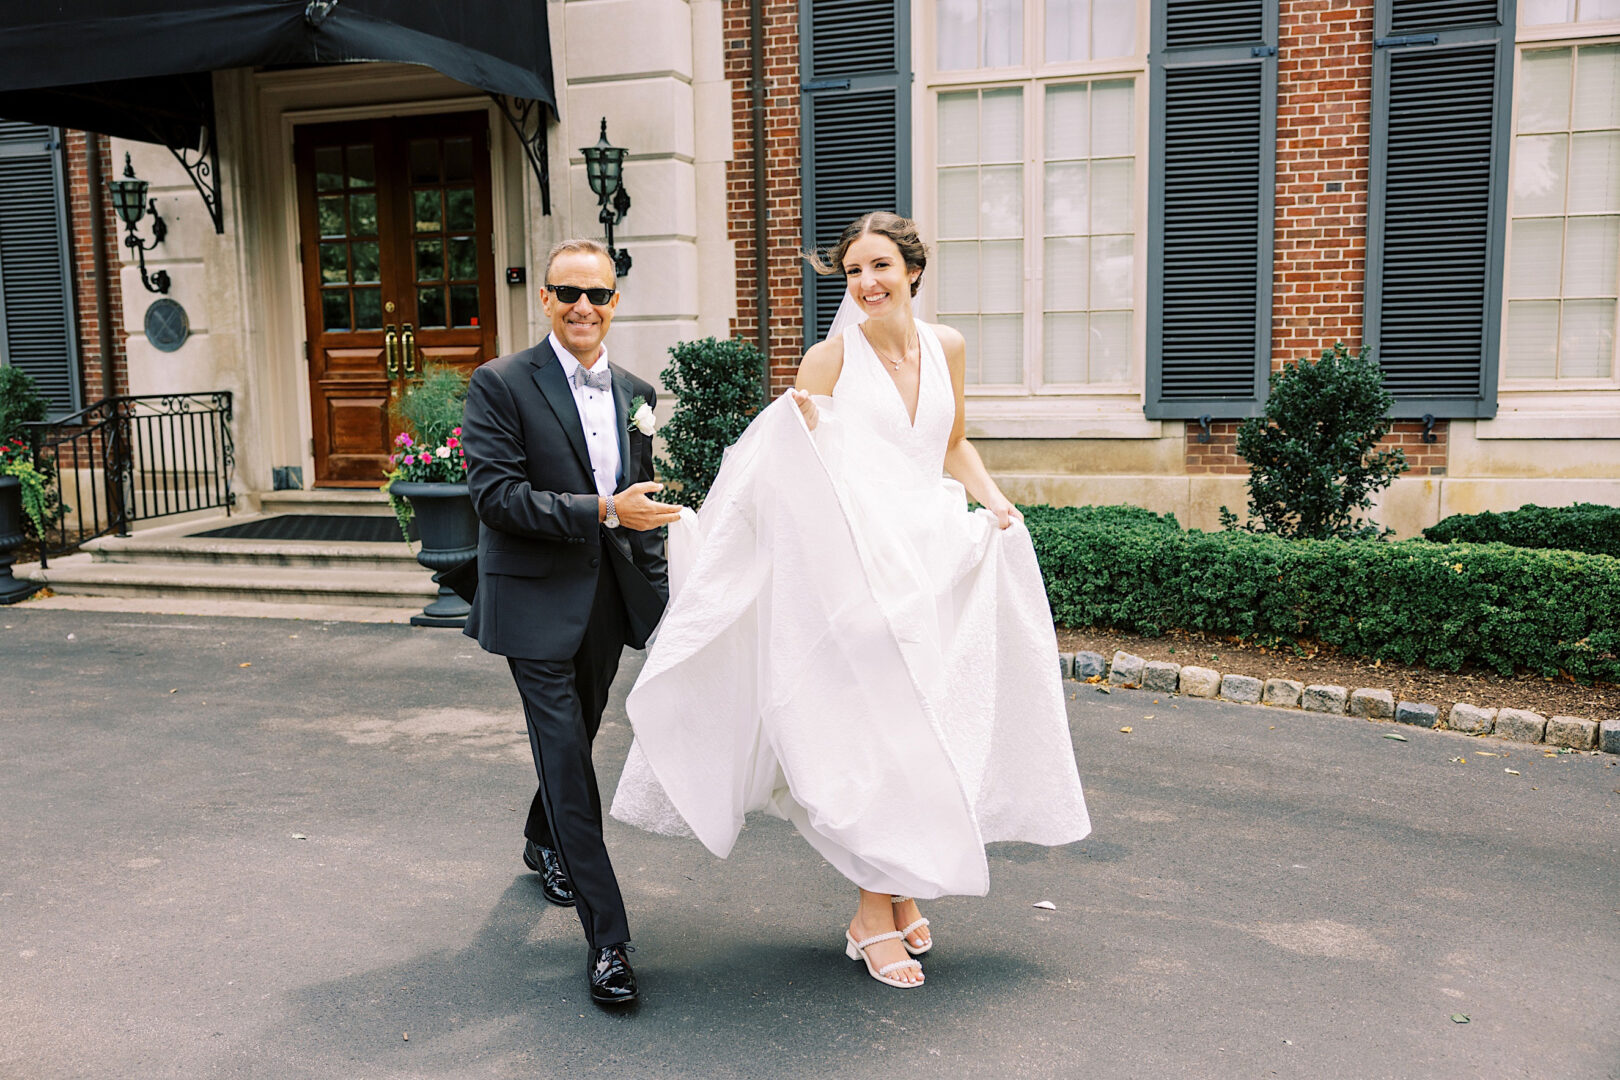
(331, 528)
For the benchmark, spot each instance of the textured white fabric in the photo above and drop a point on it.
(849, 648)
(598, 417)
(849, 314)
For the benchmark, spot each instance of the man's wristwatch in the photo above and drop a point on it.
(612, 519)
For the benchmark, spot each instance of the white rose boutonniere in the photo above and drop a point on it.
(641, 416)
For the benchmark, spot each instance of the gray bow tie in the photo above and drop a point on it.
(600, 379)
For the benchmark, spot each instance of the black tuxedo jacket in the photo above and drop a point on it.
(540, 546)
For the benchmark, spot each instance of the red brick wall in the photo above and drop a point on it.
(84, 271)
(784, 265)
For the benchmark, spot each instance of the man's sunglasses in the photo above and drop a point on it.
(570, 294)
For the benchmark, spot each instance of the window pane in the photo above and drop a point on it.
(335, 263)
(459, 211)
(427, 210)
(1001, 126)
(463, 259)
(1592, 262)
(1538, 253)
(463, 305)
(363, 210)
(429, 261)
(368, 309)
(958, 28)
(958, 276)
(959, 129)
(1110, 346)
(430, 307)
(1538, 173)
(1597, 87)
(328, 169)
(1544, 91)
(1113, 28)
(1112, 126)
(1001, 276)
(335, 309)
(1001, 201)
(1003, 33)
(958, 202)
(1067, 199)
(1111, 183)
(1543, 12)
(1593, 10)
(458, 159)
(1065, 348)
(1594, 173)
(1068, 123)
(1001, 349)
(364, 255)
(1586, 349)
(1068, 264)
(329, 215)
(1113, 271)
(1532, 345)
(424, 161)
(1068, 30)
(362, 167)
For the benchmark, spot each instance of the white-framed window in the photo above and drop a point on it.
(1031, 183)
(1563, 279)
(1552, 12)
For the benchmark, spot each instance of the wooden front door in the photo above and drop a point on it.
(399, 272)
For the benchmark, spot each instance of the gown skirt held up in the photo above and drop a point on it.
(849, 648)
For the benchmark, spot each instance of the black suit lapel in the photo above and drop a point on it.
(548, 375)
(621, 409)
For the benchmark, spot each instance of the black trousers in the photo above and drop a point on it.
(563, 702)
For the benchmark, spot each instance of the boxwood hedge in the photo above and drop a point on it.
(1586, 527)
(1443, 605)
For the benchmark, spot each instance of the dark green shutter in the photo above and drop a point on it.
(1437, 205)
(855, 85)
(1212, 189)
(36, 281)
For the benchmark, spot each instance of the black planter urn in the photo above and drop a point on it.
(449, 530)
(11, 538)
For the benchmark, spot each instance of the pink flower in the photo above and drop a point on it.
(402, 439)
(455, 431)
(452, 443)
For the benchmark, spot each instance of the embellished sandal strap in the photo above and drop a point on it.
(889, 969)
(873, 940)
(898, 899)
(907, 931)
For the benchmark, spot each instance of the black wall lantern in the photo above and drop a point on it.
(604, 168)
(129, 199)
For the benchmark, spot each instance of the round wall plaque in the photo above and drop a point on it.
(166, 325)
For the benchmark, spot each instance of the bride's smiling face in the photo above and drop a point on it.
(878, 277)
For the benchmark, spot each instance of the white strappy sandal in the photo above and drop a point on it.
(856, 950)
(905, 935)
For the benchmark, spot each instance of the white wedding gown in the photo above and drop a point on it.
(849, 648)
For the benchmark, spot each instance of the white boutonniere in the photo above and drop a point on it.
(641, 416)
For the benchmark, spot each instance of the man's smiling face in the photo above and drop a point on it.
(580, 326)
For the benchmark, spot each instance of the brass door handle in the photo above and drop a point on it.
(408, 340)
(390, 351)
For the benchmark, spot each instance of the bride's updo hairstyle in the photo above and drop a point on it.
(903, 231)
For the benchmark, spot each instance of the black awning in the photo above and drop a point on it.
(138, 69)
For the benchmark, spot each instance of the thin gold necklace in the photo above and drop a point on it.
(894, 365)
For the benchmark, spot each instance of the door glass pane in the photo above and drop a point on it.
(426, 203)
(1532, 345)
(1544, 91)
(957, 24)
(1068, 30)
(368, 309)
(335, 263)
(429, 263)
(459, 212)
(328, 168)
(362, 166)
(1597, 87)
(430, 307)
(329, 215)
(334, 309)
(1538, 254)
(1538, 173)
(363, 212)
(463, 305)
(458, 159)
(1592, 261)
(463, 259)
(1003, 33)
(1586, 348)
(424, 161)
(363, 255)
(1065, 348)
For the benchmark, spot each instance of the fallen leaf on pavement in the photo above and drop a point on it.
(1148, 717)
(1045, 905)
(1460, 760)
(176, 690)
(299, 836)
(249, 664)
(1397, 736)
(1486, 753)
(1512, 772)
(1104, 690)
(1125, 730)
(1459, 1018)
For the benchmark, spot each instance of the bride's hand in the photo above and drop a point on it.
(1006, 513)
(807, 406)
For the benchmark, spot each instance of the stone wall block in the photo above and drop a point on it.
(1066, 665)
(1089, 665)
(1200, 682)
(1573, 732)
(1372, 704)
(1411, 712)
(1609, 737)
(1126, 670)
(1521, 725)
(1244, 689)
(1325, 699)
(1471, 719)
(1161, 676)
(1283, 692)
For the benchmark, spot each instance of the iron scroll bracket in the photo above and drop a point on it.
(202, 165)
(528, 120)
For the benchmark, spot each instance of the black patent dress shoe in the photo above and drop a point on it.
(553, 879)
(612, 981)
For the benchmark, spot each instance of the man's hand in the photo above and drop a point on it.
(807, 406)
(639, 512)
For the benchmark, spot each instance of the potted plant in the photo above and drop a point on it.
(427, 484)
(25, 500)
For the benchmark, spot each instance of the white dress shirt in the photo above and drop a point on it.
(597, 416)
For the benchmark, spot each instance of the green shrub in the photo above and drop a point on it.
(1118, 515)
(717, 389)
(1443, 605)
(1312, 464)
(1586, 527)
(431, 408)
(20, 403)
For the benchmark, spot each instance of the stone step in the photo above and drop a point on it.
(170, 549)
(84, 575)
(361, 502)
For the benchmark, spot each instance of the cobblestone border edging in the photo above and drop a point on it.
(1517, 725)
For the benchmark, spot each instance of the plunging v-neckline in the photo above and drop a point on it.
(910, 414)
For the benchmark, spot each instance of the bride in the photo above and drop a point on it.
(848, 646)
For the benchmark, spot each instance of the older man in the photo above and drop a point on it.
(570, 570)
